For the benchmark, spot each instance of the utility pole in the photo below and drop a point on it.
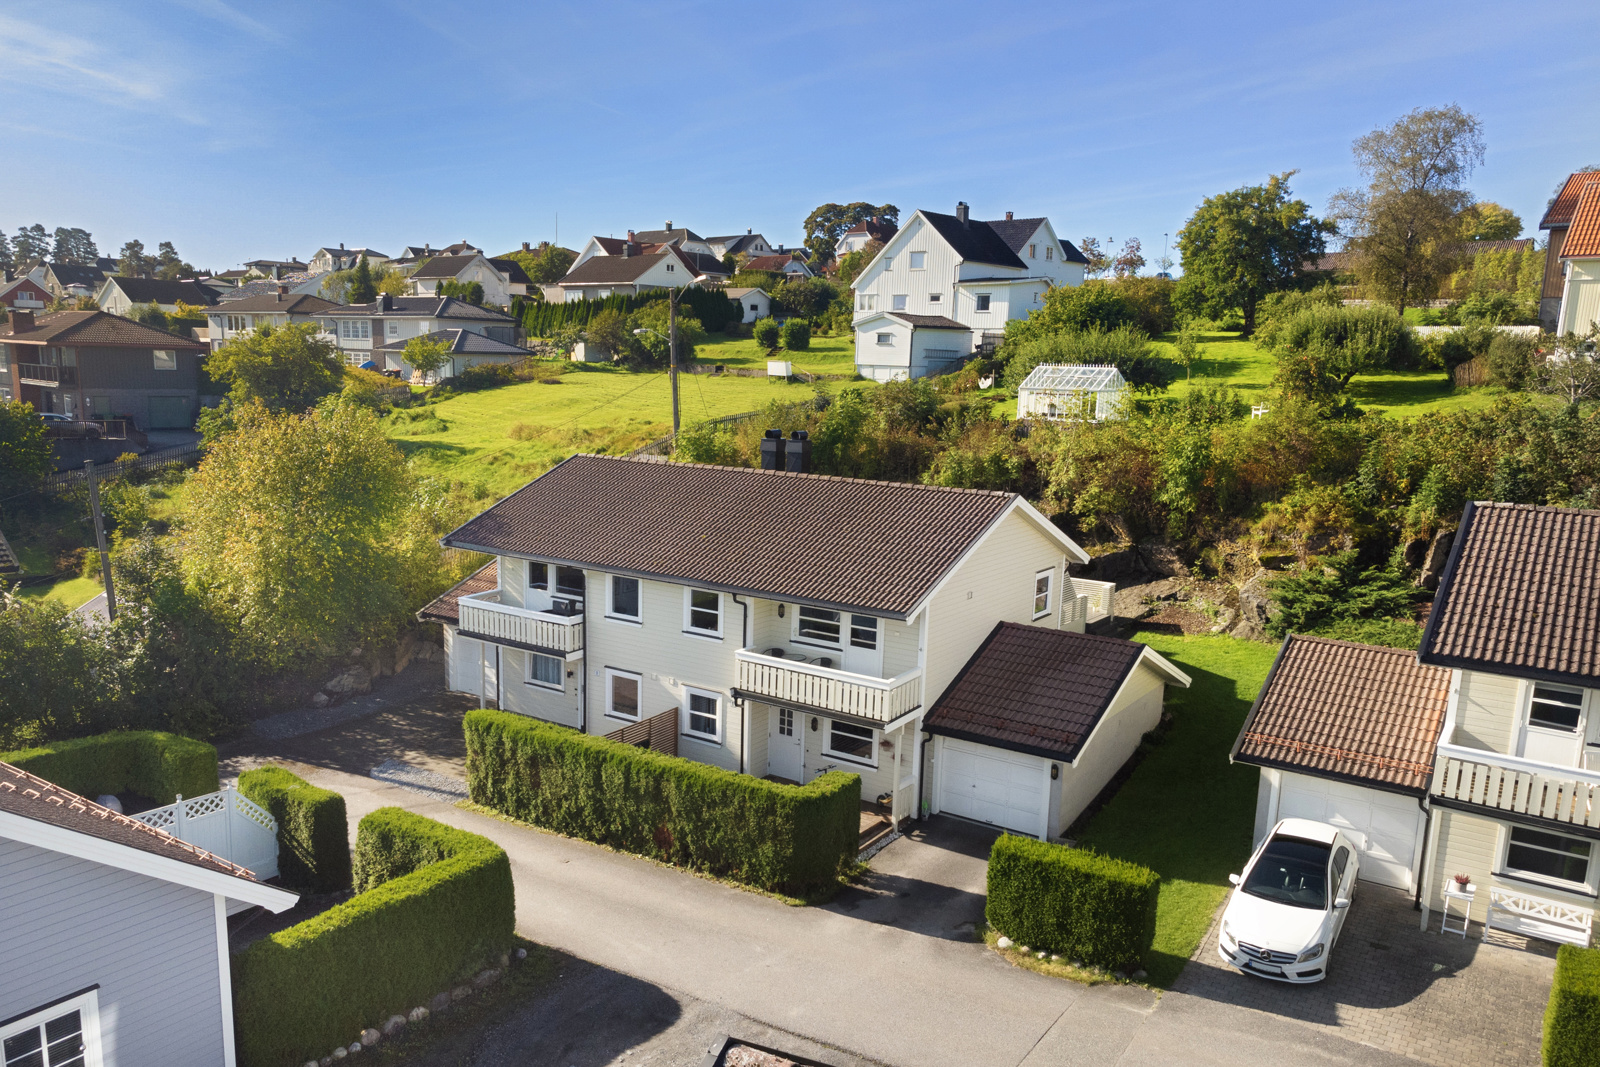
(672, 355)
(100, 538)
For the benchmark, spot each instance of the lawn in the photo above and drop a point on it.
(502, 438)
(1186, 812)
(827, 355)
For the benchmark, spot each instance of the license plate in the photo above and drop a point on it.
(1263, 968)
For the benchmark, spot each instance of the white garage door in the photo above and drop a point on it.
(991, 785)
(1386, 825)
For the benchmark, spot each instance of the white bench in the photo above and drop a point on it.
(1528, 916)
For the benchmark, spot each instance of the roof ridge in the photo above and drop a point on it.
(1408, 653)
(795, 474)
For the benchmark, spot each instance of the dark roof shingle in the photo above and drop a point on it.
(613, 269)
(95, 329)
(929, 322)
(974, 242)
(1032, 689)
(462, 342)
(1335, 709)
(431, 307)
(303, 304)
(877, 547)
(160, 291)
(446, 607)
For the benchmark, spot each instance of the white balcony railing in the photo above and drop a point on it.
(1099, 597)
(1510, 783)
(483, 616)
(787, 681)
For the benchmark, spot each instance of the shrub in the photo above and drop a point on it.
(437, 905)
(792, 839)
(1340, 590)
(1072, 902)
(767, 333)
(1126, 348)
(1572, 1017)
(1511, 360)
(796, 335)
(160, 766)
(313, 832)
(1096, 305)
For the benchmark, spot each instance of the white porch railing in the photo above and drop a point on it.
(482, 615)
(879, 699)
(227, 824)
(1510, 783)
(1100, 597)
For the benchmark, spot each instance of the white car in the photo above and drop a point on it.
(1290, 903)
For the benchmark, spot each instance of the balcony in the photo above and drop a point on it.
(1087, 602)
(484, 617)
(1509, 783)
(809, 685)
(46, 374)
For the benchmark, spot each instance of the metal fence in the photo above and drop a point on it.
(176, 456)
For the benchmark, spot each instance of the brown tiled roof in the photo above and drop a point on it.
(1565, 205)
(877, 547)
(34, 798)
(95, 329)
(446, 607)
(1335, 709)
(612, 270)
(1035, 690)
(1520, 595)
(1583, 238)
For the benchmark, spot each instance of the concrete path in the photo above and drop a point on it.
(94, 609)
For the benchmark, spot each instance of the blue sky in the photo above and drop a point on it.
(247, 131)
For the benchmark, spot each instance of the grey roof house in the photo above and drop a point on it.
(361, 330)
(118, 295)
(467, 348)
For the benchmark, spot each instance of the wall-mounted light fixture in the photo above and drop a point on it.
(813, 724)
(780, 611)
(1055, 771)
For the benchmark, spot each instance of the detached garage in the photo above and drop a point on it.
(1037, 723)
(1345, 734)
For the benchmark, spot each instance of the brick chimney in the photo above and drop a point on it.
(1008, 216)
(283, 290)
(21, 321)
(525, 247)
(669, 224)
(385, 302)
(962, 212)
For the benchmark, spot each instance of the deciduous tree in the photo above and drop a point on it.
(1488, 221)
(285, 368)
(1130, 261)
(25, 456)
(827, 223)
(424, 355)
(1098, 261)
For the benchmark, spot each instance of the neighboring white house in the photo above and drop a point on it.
(67, 281)
(629, 271)
(693, 250)
(361, 329)
(1072, 392)
(501, 278)
(118, 295)
(788, 265)
(233, 319)
(276, 268)
(297, 284)
(343, 258)
(950, 273)
(755, 303)
(467, 348)
(748, 243)
(862, 234)
(791, 644)
(1580, 261)
(116, 935)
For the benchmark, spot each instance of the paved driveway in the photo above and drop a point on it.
(1439, 998)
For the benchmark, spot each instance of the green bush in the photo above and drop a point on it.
(767, 333)
(792, 839)
(1511, 360)
(313, 832)
(437, 905)
(1071, 902)
(1572, 1018)
(796, 335)
(160, 766)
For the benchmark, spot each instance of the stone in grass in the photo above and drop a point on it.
(1119, 976)
(326, 1061)
(340, 1053)
(355, 1046)
(1024, 948)
(1055, 959)
(1004, 942)
(311, 1063)
(461, 992)
(439, 1003)
(1141, 974)
(370, 1037)
(485, 978)
(522, 953)
(418, 1014)
(393, 1025)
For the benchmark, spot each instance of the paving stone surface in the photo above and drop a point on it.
(1439, 998)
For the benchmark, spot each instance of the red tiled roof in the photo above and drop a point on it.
(1335, 709)
(1562, 208)
(1583, 238)
(95, 329)
(446, 607)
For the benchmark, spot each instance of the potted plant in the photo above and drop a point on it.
(1464, 882)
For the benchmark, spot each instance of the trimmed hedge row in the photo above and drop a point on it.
(437, 906)
(1071, 902)
(1572, 1018)
(791, 839)
(153, 764)
(313, 831)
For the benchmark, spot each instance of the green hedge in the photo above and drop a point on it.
(313, 831)
(156, 765)
(437, 906)
(1071, 902)
(1572, 1018)
(791, 839)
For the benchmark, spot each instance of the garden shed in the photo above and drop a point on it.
(1072, 391)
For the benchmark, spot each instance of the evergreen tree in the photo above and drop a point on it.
(363, 290)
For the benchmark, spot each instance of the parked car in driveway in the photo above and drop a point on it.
(67, 426)
(1289, 905)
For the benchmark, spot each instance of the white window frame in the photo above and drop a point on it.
(982, 301)
(560, 685)
(715, 737)
(818, 642)
(1583, 707)
(165, 358)
(393, 328)
(612, 674)
(615, 613)
(1588, 887)
(886, 339)
(544, 584)
(888, 264)
(919, 260)
(1049, 579)
(688, 613)
(935, 298)
(670, 268)
(1033, 250)
(86, 1003)
(898, 302)
(849, 757)
(1049, 253)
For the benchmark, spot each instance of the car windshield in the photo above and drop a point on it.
(1291, 871)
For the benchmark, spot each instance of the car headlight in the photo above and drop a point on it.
(1310, 954)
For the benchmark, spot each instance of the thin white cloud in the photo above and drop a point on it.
(45, 57)
(221, 12)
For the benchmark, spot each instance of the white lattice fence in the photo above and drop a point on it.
(226, 823)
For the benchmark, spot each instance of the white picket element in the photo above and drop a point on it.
(483, 616)
(1530, 916)
(1512, 783)
(1101, 596)
(227, 824)
(828, 689)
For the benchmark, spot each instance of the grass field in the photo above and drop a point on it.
(1186, 812)
(827, 355)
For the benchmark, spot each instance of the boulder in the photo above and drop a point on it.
(1433, 563)
(1163, 560)
(395, 1023)
(340, 1053)
(1004, 942)
(370, 1037)
(461, 992)
(1255, 605)
(417, 1014)
(1114, 566)
(1416, 552)
(354, 680)
(319, 700)
(1129, 603)
(354, 1047)
(439, 1003)
(485, 978)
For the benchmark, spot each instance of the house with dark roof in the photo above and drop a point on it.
(755, 303)
(748, 243)
(116, 935)
(69, 280)
(944, 286)
(501, 278)
(273, 268)
(343, 258)
(298, 283)
(794, 624)
(1558, 219)
(28, 291)
(361, 330)
(119, 295)
(90, 364)
(634, 267)
(467, 348)
(862, 234)
(1578, 260)
(790, 266)
(233, 319)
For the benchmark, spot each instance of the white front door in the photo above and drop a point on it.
(1553, 727)
(993, 785)
(863, 644)
(784, 741)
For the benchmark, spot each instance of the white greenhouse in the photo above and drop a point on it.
(1072, 391)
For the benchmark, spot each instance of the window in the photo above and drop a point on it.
(853, 742)
(237, 323)
(702, 612)
(393, 328)
(1555, 707)
(888, 263)
(65, 1034)
(547, 671)
(918, 260)
(1049, 252)
(669, 267)
(983, 302)
(166, 359)
(1341, 860)
(785, 722)
(569, 581)
(818, 624)
(1546, 855)
(899, 302)
(624, 598)
(935, 298)
(886, 338)
(538, 576)
(622, 694)
(705, 716)
(863, 631)
(357, 330)
(1033, 251)
(1041, 593)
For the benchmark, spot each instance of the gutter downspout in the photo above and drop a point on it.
(744, 710)
(583, 676)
